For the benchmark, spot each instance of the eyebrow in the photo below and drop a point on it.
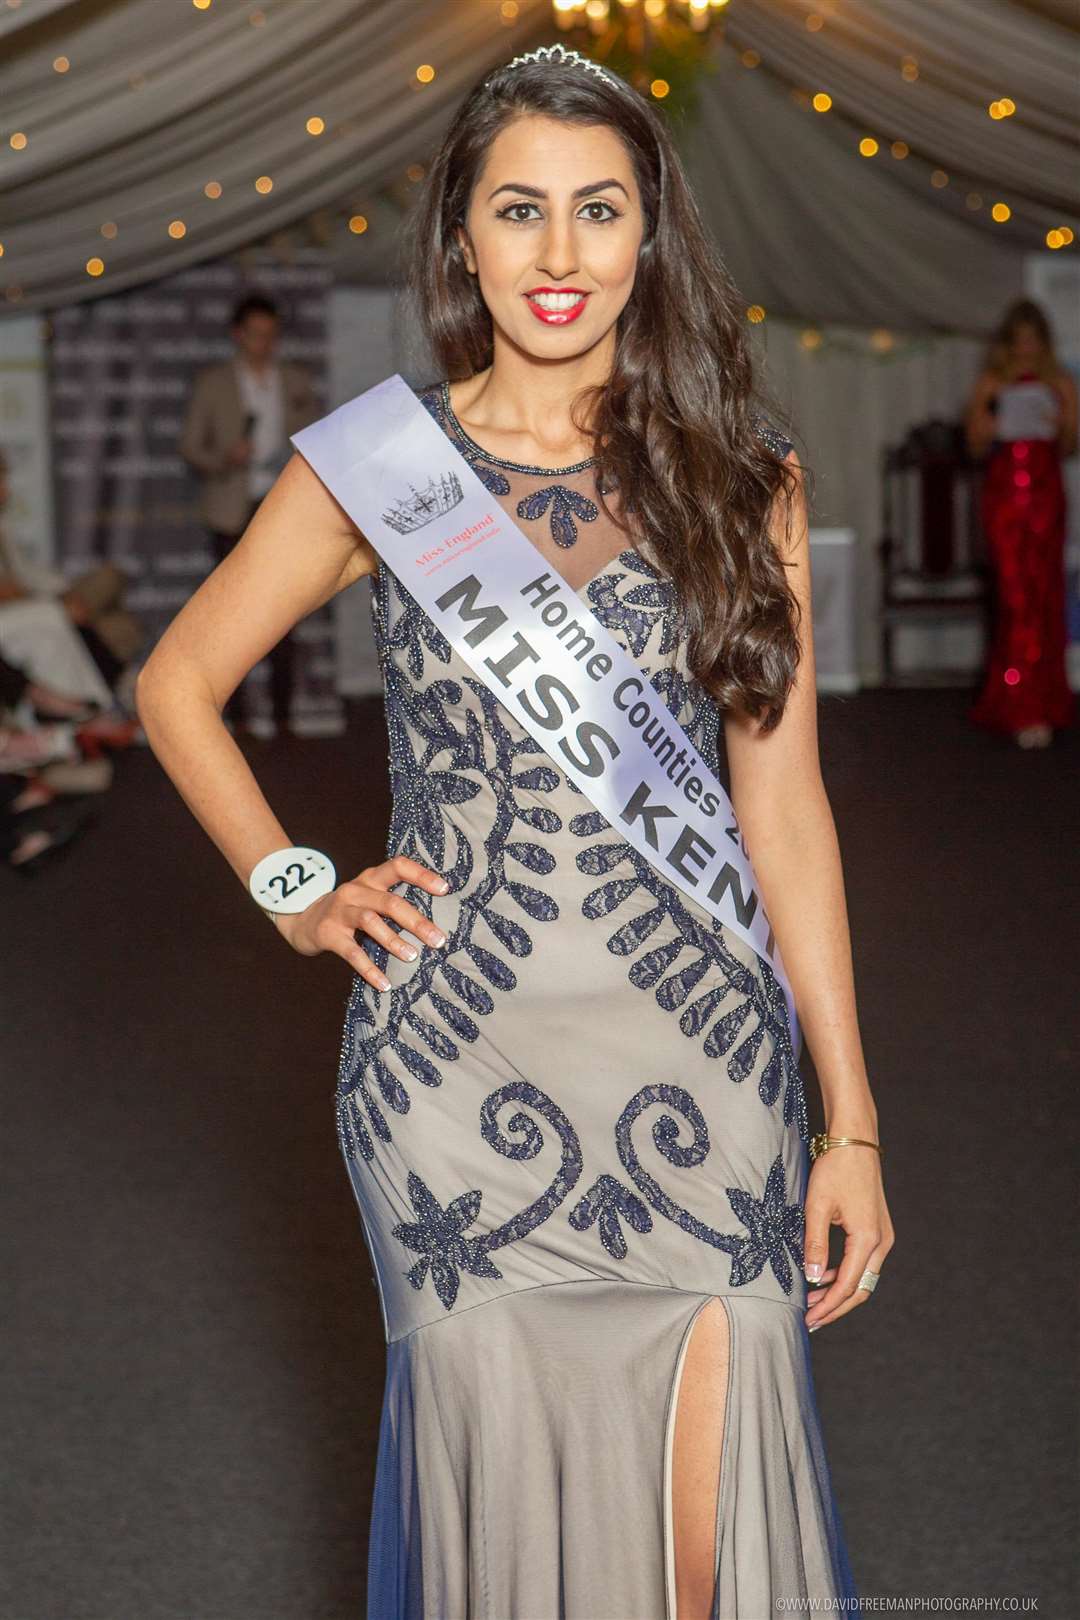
(582, 191)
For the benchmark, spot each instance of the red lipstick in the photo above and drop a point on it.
(556, 317)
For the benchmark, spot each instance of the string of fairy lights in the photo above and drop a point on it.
(637, 38)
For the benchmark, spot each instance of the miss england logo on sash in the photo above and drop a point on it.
(525, 633)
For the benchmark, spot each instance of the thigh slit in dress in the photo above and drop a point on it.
(570, 1131)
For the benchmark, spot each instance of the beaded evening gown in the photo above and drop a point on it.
(1025, 682)
(569, 1131)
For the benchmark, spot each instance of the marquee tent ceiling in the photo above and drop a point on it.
(159, 100)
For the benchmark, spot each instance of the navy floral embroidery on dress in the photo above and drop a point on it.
(774, 1225)
(566, 504)
(457, 980)
(776, 1230)
(735, 1016)
(640, 611)
(443, 749)
(438, 1233)
(606, 1204)
(437, 1236)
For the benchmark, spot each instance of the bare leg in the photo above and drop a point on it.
(696, 1456)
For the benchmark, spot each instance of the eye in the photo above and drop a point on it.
(509, 213)
(602, 202)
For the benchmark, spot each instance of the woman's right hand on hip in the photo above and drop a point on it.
(364, 904)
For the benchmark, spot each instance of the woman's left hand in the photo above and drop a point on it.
(845, 1188)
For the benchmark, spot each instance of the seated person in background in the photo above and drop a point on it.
(75, 636)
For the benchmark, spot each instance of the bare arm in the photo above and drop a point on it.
(1067, 427)
(784, 812)
(298, 552)
(979, 422)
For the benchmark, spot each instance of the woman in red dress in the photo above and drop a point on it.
(1023, 410)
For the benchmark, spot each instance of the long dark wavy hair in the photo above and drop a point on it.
(674, 423)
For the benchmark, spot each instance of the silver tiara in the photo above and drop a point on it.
(557, 53)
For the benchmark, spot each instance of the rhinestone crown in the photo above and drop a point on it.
(558, 53)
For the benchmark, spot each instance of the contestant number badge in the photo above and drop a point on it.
(290, 879)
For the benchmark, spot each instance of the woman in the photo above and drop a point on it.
(599, 1396)
(1023, 409)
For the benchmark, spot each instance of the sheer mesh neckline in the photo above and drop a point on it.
(500, 461)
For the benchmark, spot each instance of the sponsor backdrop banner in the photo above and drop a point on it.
(121, 374)
(24, 435)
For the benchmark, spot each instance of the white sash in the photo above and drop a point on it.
(528, 636)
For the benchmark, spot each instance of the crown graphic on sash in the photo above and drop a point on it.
(439, 495)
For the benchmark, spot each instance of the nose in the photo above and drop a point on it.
(558, 252)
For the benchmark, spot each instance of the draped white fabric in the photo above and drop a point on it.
(160, 99)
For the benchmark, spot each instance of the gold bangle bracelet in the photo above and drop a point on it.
(822, 1142)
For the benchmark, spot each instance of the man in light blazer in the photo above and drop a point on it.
(236, 437)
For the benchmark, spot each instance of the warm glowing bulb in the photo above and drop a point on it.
(756, 314)
(509, 10)
(659, 88)
(425, 73)
(1001, 212)
(95, 267)
(212, 189)
(201, 5)
(1066, 234)
(109, 229)
(314, 126)
(939, 178)
(358, 224)
(60, 64)
(994, 110)
(868, 146)
(822, 102)
(909, 69)
(177, 229)
(1, 250)
(1054, 239)
(17, 141)
(899, 149)
(264, 184)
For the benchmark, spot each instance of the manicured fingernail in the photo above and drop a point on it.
(437, 937)
(442, 886)
(814, 1268)
(384, 983)
(409, 953)
(814, 1328)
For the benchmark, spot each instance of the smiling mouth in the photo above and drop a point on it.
(556, 308)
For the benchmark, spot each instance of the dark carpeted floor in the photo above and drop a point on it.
(192, 1347)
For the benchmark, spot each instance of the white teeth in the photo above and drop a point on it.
(556, 301)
